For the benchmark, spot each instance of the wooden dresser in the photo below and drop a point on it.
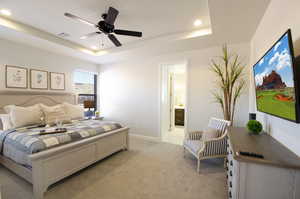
(277, 176)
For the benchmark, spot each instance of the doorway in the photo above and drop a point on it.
(173, 102)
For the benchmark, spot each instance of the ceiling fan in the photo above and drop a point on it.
(106, 26)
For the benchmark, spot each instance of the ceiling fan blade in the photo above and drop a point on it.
(111, 15)
(128, 33)
(90, 35)
(80, 19)
(114, 40)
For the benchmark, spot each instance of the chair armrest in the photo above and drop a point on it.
(195, 135)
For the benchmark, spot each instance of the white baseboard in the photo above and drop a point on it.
(149, 138)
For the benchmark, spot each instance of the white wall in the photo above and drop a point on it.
(179, 89)
(12, 53)
(130, 90)
(279, 16)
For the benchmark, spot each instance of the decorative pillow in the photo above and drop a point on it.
(210, 134)
(74, 111)
(5, 123)
(24, 116)
(8, 108)
(54, 113)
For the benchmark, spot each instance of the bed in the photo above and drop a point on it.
(45, 166)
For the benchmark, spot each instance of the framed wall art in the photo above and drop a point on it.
(16, 77)
(38, 79)
(57, 81)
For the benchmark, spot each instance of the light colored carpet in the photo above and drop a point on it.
(148, 171)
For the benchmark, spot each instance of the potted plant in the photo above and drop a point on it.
(254, 127)
(230, 82)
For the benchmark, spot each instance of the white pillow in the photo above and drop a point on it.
(74, 111)
(5, 123)
(209, 134)
(54, 113)
(8, 108)
(24, 116)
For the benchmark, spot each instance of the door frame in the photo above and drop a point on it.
(163, 68)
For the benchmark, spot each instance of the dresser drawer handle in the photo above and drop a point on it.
(230, 196)
(230, 173)
(230, 184)
(231, 163)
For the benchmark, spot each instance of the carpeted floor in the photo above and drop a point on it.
(148, 171)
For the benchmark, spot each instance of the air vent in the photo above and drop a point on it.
(63, 34)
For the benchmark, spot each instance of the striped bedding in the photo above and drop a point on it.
(17, 144)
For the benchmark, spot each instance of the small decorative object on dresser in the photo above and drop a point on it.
(16, 77)
(38, 79)
(254, 127)
(252, 116)
(57, 81)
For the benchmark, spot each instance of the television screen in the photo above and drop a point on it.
(274, 80)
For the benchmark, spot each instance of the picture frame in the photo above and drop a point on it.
(38, 79)
(57, 81)
(16, 77)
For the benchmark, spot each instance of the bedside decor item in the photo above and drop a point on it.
(230, 82)
(254, 126)
(252, 116)
(97, 114)
(89, 104)
(16, 77)
(38, 79)
(57, 81)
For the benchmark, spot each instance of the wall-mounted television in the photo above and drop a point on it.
(276, 81)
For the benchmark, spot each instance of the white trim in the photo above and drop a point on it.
(144, 137)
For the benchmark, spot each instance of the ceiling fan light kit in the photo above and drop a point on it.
(106, 26)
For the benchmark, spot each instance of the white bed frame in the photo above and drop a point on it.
(52, 165)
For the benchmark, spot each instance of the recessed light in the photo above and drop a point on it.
(5, 12)
(197, 22)
(83, 37)
(94, 47)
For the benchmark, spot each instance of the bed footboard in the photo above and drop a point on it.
(53, 165)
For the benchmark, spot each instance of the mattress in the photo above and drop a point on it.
(17, 144)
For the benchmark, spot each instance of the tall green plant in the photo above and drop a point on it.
(230, 81)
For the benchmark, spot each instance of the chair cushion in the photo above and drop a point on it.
(210, 133)
(193, 145)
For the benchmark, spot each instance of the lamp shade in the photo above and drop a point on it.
(89, 104)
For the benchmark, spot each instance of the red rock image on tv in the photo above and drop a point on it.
(272, 81)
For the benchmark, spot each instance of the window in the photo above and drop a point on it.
(86, 88)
